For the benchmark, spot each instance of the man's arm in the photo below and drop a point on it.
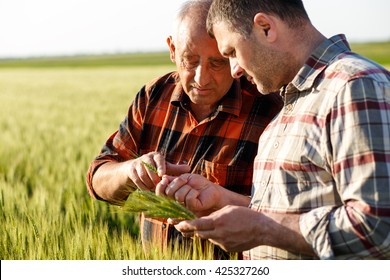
(360, 227)
(114, 181)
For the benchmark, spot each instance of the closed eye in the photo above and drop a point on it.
(229, 53)
(217, 64)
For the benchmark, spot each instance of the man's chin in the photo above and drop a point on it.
(263, 90)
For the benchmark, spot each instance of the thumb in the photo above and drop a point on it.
(177, 169)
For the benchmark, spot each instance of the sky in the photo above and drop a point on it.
(68, 27)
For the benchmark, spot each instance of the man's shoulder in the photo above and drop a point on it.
(168, 79)
(350, 66)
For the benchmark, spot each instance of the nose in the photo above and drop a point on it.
(202, 75)
(235, 68)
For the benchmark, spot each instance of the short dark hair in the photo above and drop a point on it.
(238, 15)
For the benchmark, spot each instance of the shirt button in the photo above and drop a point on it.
(262, 183)
(276, 144)
(289, 107)
(164, 226)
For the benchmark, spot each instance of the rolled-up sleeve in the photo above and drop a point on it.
(123, 144)
(359, 133)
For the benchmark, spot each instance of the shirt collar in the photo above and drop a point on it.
(317, 62)
(231, 103)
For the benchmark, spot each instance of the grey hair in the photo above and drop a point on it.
(196, 9)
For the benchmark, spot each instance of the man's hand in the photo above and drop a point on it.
(143, 177)
(237, 228)
(233, 228)
(194, 191)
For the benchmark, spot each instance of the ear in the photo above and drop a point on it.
(172, 48)
(266, 25)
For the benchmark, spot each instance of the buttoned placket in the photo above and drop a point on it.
(289, 101)
(197, 128)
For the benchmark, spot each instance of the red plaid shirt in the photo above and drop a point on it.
(221, 148)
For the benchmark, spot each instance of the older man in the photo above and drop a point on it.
(198, 119)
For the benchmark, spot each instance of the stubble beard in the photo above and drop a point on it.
(272, 70)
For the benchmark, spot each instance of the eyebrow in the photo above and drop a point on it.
(227, 53)
(222, 59)
(189, 55)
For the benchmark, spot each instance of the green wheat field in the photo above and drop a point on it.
(55, 114)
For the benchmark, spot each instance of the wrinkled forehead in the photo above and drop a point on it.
(192, 35)
(190, 28)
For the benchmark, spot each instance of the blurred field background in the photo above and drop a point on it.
(55, 115)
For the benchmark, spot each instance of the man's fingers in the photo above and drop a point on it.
(174, 185)
(201, 227)
(198, 225)
(177, 169)
(150, 167)
(144, 175)
(161, 186)
(181, 194)
(192, 200)
(174, 221)
(159, 160)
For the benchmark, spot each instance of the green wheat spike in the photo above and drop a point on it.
(156, 206)
(150, 167)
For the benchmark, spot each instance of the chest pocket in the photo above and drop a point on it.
(233, 177)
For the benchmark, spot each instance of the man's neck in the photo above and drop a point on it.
(201, 112)
(306, 42)
(300, 46)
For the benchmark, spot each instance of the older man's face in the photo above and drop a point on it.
(204, 72)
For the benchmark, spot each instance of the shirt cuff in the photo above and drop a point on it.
(314, 228)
